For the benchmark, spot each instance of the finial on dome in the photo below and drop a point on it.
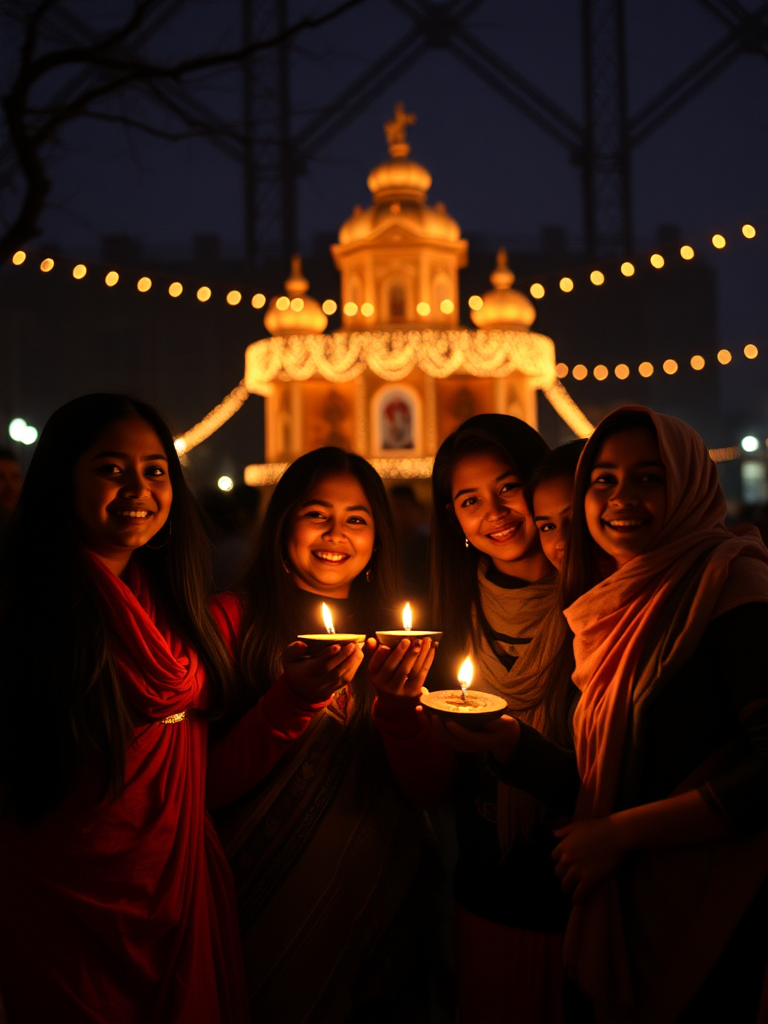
(295, 312)
(296, 284)
(396, 131)
(502, 277)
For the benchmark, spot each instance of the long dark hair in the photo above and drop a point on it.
(455, 593)
(581, 569)
(61, 697)
(272, 619)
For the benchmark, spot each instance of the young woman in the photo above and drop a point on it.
(496, 597)
(116, 899)
(550, 497)
(667, 857)
(328, 857)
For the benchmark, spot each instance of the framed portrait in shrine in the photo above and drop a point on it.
(396, 421)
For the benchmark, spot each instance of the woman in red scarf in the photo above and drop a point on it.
(116, 900)
(667, 856)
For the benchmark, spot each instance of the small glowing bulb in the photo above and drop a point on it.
(283, 303)
(750, 443)
(748, 231)
(234, 298)
(561, 370)
(16, 428)
(330, 307)
(627, 269)
(79, 271)
(475, 302)
(297, 304)
(175, 288)
(327, 619)
(669, 366)
(259, 300)
(111, 279)
(538, 291)
(423, 309)
(225, 483)
(180, 445)
(367, 309)
(446, 306)
(407, 617)
(566, 284)
(622, 371)
(645, 369)
(597, 277)
(657, 260)
(580, 371)
(718, 241)
(18, 258)
(144, 284)
(204, 293)
(750, 351)
(466, 673)
(724, 357)
(350, 309)
(46, 265)
(698, 362)
(600, 372)
(686, 251)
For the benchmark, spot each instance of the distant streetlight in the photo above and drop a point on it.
(225, 483)
(750, 443)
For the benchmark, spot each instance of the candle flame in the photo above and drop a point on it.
(407, 618)
(327, 619)
(466, 672)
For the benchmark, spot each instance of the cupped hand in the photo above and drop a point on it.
(588, 852)
(500, 736)
(316, 679)
(399, 673)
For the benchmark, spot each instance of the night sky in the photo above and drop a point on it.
(503, 179)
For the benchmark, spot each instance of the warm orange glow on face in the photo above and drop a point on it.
(327, 619)
(407, 617)
(466, 673)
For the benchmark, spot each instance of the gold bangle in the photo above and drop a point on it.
(172, 719)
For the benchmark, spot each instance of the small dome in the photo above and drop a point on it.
(504, 307)
(399, 180)
(301, 313)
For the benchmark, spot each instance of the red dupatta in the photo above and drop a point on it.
(696, 571)
(123, 909)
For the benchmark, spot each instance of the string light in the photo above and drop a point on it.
(600, 372)
(203, 293)
(718, 241)
(627, 268)
(297, 304)
(597, 277)
(350, 308)
(567, 410)
(329, 307)
(566, 284)
(561, 370)
(283, 303)
(748, 231)
(669, 366)
(210, 423)
(18, 258)
(622, 371)
(580, 371)
(111, 279)
(175, 288)
(423, 308)
(46, 265)
(657, 260)
(234, 298)
(79, 271)
(750, 351)
(475, 302)
(698, 362)
(447, 306)
(538, 291)
(259, 300)
(686, 251)
(724, 356)
(144, 284)
(645, 369)
(367, 309)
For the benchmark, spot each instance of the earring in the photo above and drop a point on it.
(466, 542)
(285, 566)
(156, 547)
(368, 575)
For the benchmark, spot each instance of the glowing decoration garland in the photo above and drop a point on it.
(216, 418)
(343, 356)
(646, 369)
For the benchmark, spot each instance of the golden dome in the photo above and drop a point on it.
(295, 312)
(504, 306)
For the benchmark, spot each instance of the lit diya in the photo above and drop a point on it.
(472, 710)
(317, 642)
(392, 637)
